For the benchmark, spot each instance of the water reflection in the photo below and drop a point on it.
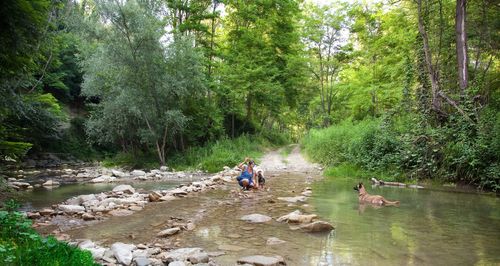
(429, 227)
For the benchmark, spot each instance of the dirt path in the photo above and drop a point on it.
(294, 162)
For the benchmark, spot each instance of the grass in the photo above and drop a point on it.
(214, 156)
(352, 171)
(20, 244)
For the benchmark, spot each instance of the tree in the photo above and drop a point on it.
(328, 49)
(140, 82)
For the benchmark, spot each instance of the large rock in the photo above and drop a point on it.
(138, 173)
(183, 254)
(167, 198)
(259, 260)
(50, 183)
(293, 199)
(123, 252)
(142, 261)
(256, 218)
(297, 217)
(125, 189)
(317, 227)
(154, 196)
(71, 208)
(103, 179)
(88, 197)
(169, 232)
(118, 173)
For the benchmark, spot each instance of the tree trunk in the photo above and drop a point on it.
(461, 39)
(431, 71)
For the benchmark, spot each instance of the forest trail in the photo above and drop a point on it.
(274, 161)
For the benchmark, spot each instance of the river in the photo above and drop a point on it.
(430, 227)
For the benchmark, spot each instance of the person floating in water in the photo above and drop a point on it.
(247, 177)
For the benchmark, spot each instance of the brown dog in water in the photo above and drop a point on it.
(364, 197)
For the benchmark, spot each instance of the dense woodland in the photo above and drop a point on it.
(407, 88)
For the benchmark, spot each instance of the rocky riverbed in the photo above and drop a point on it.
(176, 216)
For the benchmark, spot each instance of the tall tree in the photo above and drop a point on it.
(140, 83)
(461, 44)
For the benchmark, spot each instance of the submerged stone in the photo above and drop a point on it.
(259, 260)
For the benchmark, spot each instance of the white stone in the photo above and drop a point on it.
(124, 188)
(256, 218)
(50, 183)
(138, 173)
(71, 208)
(123, 252)
(169, 232)
(118, 173)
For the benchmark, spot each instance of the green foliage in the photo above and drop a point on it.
(226, 152)
(20, 244)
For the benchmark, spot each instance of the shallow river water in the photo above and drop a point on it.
(429, 227)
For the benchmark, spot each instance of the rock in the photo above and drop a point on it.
(181, 254)
(33, 215)
(297, 217)
(178, 192)
(138, 173)
(216, 253)
(177, 263)
(154, 196)
(139, 253)
(124, 188)
(259, 260)
(307, 193)
(200, 257)
(121, 212)
(46, 211)
(123, 252)
(256, 218)
(50, 183)
(316, 227)
(190, 226)
(415, 186)
(86, 244)
(71, 208)
(97, 252)
(89, 197)
(135, 208)
(142, 246)
(167, 198)
(142, 261)
(293, 199)
(103, 179)
(169, 232)
(274, 241)
(88, 217)
(163, 168)
(21, 184)
(227, 247)
(118, 173)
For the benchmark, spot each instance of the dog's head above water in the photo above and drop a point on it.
(358, 186)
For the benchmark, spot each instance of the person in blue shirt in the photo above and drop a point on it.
(247, 177)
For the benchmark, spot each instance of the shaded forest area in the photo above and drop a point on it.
(407, 88)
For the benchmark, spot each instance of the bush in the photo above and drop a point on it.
(22, 245)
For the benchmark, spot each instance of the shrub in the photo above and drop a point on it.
(22, 245)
